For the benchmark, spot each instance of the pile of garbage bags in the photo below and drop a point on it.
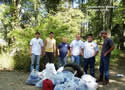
(33, 78)
(62, 79)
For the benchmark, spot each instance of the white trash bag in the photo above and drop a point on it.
(39, 84)
(48, 73)
(50, 67)
(71, 85)
(60, 69)
(33, 78)
(88, 82)
(59, 87)
(76, 80)
(59, 78)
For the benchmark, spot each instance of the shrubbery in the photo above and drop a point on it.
(65, 23)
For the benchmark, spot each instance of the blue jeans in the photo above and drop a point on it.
(104, 67)
(35, 58)
(62, 61)
(76, 59)
(91, 62)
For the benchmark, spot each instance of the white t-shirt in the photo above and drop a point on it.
(76, 46)
(36, 44)
(89, 49)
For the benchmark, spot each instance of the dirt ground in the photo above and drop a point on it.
(16, 80)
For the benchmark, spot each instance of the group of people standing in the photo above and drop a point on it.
(76, 49)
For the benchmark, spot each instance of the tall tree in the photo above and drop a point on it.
(123, 22)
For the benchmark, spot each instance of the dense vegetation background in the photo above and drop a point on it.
(20, 19)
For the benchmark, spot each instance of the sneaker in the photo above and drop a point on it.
(99, 80)
(106, 82)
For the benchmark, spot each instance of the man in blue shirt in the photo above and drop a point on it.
(107, 48)
(63, 51)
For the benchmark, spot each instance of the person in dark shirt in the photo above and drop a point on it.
(63, 51)
(107, 48)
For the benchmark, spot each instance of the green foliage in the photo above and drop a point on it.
(63, 24)
(22, 18)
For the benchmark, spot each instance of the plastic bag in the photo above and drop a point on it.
(49, 76)
(88, 82)
(59, 78)
(48, 73)
(33, 78)
(50, 67)
(76, 80)
(87, 77)
(68, 75)
(60, 69)
(41, 75)
(71, 85)
(62, 77)
(68, 85)
(39, 84)
(59, 87)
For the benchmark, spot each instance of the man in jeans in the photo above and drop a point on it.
(105, 58)
(50, 48)
(75, 49)
(36, 45)
(90, 50)
(63, 51)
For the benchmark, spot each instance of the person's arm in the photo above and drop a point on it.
(82, 51)
(58, 52)
(31, 43)
(100, 44)
(54, 48)
(109, 50)
(71, 46)
(96, 53)
(42, 48)
(82, 48)
(68, 53)
(45, 43)
(96, 50)
(30, 50)
(42, 51)
(112, 47)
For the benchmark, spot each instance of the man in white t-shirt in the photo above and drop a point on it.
(75, 48)
(36, 46)
(90, 50)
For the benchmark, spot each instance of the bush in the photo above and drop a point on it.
(57, 23)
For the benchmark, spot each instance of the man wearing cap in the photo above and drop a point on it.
(36, 48)
(105, 58)
(50, 48)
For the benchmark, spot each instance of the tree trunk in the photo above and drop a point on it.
(122, 45)
(109, 24)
